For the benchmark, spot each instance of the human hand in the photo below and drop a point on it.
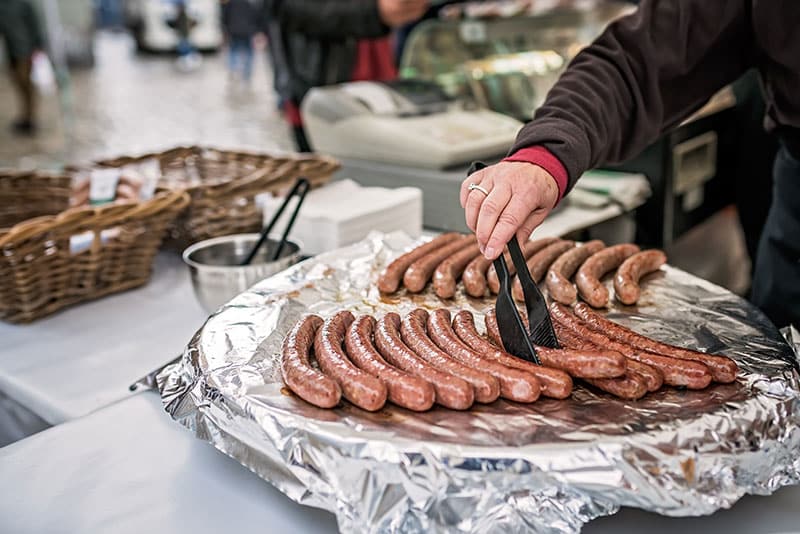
(520, 197)
(396, 13)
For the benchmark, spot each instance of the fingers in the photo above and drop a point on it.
(491, 209)
(474, 178)
(473, 203)
(505, 224)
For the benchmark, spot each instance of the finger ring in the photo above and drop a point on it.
(476, 187)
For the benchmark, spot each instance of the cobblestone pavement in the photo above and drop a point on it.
(130, 103)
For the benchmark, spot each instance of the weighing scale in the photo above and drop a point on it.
(405, 122)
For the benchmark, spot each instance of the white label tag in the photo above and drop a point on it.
(473, 31)
(103, 186)
(693, 198)
(150, 170)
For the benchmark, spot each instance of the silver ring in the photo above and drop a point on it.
(476, 187)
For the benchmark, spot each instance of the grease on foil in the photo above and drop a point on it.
(546, 467)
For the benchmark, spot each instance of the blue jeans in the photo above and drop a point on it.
(776, 277)
(240, 49)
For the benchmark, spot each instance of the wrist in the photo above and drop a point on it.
(546, 160)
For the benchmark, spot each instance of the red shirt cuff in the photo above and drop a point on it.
(540, 156)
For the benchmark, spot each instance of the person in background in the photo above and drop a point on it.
(323, 42)
(644, 75)
(22, 33)
(183, 23)
(240, 18)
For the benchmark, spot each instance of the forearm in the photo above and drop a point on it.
(643, 75)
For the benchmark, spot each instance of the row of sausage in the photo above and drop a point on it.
(425, 358)
(451, 257)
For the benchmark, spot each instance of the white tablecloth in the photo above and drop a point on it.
(130, 469)
(85, 357)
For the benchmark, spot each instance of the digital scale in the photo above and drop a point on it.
(404, 122)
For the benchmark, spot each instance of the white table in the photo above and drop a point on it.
(85, 357)
(130, 469)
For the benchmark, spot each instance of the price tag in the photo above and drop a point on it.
(103, 185)
(473, 31)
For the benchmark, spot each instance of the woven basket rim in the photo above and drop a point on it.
(111, 213)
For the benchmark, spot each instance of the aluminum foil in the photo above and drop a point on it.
(546, 467)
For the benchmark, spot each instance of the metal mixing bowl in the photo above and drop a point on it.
(217, 276)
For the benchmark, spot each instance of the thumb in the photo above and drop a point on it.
(530, 224)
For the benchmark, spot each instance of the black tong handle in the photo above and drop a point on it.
(300, 188)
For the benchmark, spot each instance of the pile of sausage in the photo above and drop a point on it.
(425, 358)
(452, 256)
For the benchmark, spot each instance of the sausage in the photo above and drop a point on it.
(539, 263)
(419, 272)
(528, 249)
(628, 387)
(554, 383)
(579, 362)
(390, 278)
(413, 333)
(404, 389)
(304, 380)
(358, 387)
(652, 377)
(451, 392)
(474, 276)
(515, 385)
(626, 281)
(447, 273)
(589, 274)
(558, 276)
(692, 375)
(722, 368)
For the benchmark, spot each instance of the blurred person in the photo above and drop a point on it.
(643, 75)
(240, 19)
(22, 33)
(324, 42)
(183, 23)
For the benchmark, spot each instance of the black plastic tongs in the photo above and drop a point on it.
(518, 339)
(300, 188)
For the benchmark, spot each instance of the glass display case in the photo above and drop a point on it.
(504, 55)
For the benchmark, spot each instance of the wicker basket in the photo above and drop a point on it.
(55, 260)
(223, 185)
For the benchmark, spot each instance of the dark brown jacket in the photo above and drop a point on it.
(650, 70)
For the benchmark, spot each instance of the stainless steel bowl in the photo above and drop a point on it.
(217, 276)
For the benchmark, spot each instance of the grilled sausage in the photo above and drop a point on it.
(358, 387)
(554, 383)
(626, 281)
(652, 377)
(451, 392)
(676, 372)
(578, 362)
(474, 276)
(560, 272)
(722, 368)
(528, 250)
(539, 263)
(593, 269)
(390, 278)
(448, 272)
(304, 380)
(515, 385)
(404, 389)
(419, 273)
(628, 387)
(413, 333)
